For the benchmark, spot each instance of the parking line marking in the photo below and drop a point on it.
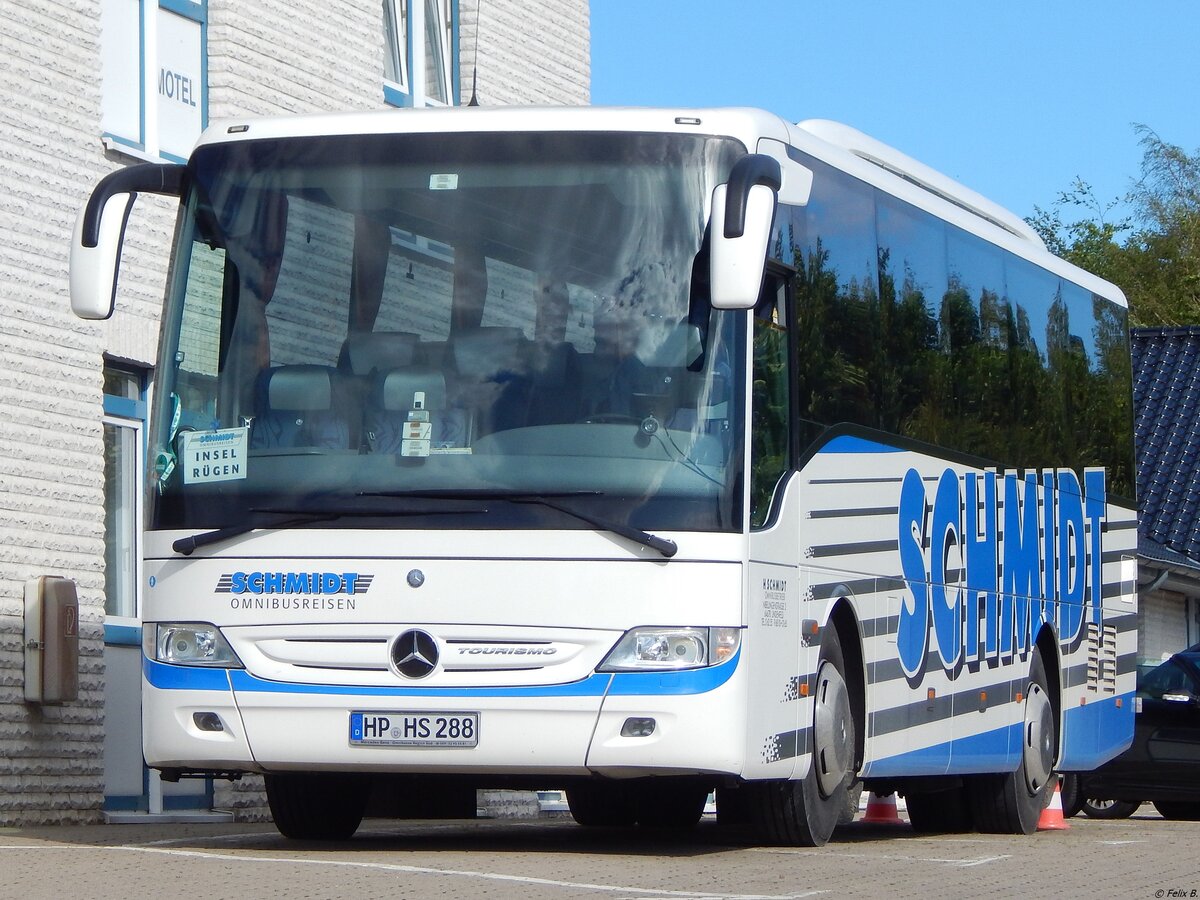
(955, 863)
(423, 870)
(236, 836)
(48, 847)
(967, 863)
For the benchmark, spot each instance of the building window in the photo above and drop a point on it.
(124, 418)
(420, 45)
(154, 76)
(395, 41)
(437, 37)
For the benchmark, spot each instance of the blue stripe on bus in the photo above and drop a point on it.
(1086, 725)
(847, 443)
(624, 684)
(184, 678)
(694, 681)
(992, 751)
(999, 750)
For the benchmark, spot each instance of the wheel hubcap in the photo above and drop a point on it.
(832, 735)
(1039, 739)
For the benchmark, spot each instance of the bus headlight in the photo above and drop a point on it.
(671, 649)
(193, 644)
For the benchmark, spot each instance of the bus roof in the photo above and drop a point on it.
(839, 145)
(745, 124)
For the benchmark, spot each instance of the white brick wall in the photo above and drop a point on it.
(51, 499)
(549, 66)
(1163, 626)
(265, 57)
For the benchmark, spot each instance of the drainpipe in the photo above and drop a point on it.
(1158, 582)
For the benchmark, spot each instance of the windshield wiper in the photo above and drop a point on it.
(186, 545)
(665, 546)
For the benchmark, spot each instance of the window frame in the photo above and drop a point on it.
(778, 296)
(411, 14)
(128, 413)
(396, 49)
(146, 144)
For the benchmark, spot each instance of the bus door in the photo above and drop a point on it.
(775, 733)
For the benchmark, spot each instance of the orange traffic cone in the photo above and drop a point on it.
(881, 810)
(1052, 818)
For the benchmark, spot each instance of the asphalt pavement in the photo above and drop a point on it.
(554, 859)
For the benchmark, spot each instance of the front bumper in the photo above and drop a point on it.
(563, 729)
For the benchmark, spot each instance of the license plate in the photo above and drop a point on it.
(415, 729)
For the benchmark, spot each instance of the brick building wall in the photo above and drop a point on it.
(514, 65)
(264, 57)
(51, 501)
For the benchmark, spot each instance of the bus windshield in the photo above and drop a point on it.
(398, 331)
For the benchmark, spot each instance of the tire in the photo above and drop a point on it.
(853, 798)
(1110, 809)
(1071, 796)
(1179, 810)
(602, 805)
(667, 805)
(939, 812)
(1012, 802)
(803, 813)
(733, 806)
(317, 806)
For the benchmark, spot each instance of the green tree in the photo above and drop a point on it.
(1153, 254)
(1164, 252)
(1092, 241)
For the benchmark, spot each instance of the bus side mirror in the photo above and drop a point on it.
(743, 211)
(100, 231)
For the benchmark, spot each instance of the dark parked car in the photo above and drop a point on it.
(1162, 765)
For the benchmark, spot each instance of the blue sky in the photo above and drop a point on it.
(1015, 99)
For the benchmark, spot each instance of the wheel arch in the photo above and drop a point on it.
(845, 624)
(1047, 646)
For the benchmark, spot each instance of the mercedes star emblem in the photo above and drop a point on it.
(415, 654)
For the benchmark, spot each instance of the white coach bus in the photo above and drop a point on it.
(637, 453)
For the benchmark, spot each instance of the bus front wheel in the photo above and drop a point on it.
(317, 806)
(805, 812)
(1012, 802)
(602, 804)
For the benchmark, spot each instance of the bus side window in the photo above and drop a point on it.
(770, 442)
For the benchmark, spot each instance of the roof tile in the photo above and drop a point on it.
(1166, 392)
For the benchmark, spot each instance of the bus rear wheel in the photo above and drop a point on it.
(1012, 802)
(804, 812)
(939, 812)
(317, 806)
(1072, 795)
